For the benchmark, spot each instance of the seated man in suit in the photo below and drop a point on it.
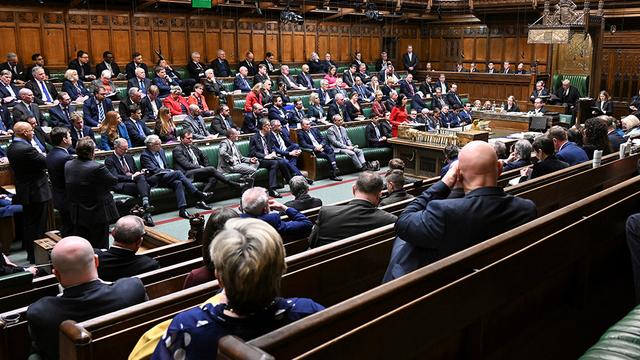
(81, 65)
(567, 95)
(41, 140)
(443, 84)
(374, 134)
(448, 118)
(538, 107)
(506, 68)
(151, 104)
(277, 111)
(324, 93)
(295, 115)
(427, 88)
(251, 122)
(287, 80)
(27, 107)
(121, 261)
(349, 75)
(256, 204)
(222, 122)
(519, 157)
(491, 68)
(154, 161)
(96, 108)
(262, 148)
(108, 63)
(8, 90)
(240, 82)
(452, 97)
(60, 115)
(262, 75)
(88, 188)
(131, 181)
(248, 62)
(520, 69)
(220, 65)
(84, 295)
(417, 102)
(539, 91)
(268, 62)
(139, 81)
(195, 68)
(407, 87)
(364, 92)
(43, 90)
(422, 237)
(299, 188)
(465, 114)
(304, 78)
(284, 147)
(566, 150)
(339, 140)
(79, 129)
(395, 187)
(15, 67)
(230, 160)
(136, 127)
(310, 139)
(105, 80)
(438, 101)
(135, 64)
(163, 81)
(338, 107)
(193, 163)
(134, 99)
(359, 215)
(195, 124)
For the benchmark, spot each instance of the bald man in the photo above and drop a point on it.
(84, 297)
(434, 226)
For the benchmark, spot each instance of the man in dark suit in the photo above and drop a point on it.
(520, 70)
(395, 187)
(566, 150)
(302, 200)
(417, 103)
(136, 63)
(133, 99)
(304, 78)
(452, 97)
(295, 115)
(324, 93)
(41, 140)
(262, 75)
(121, 261)
(349, 75)
(506, 68)
(84, 295)
(79, 130)
(327, 63)
(422, 235)
(538, 107)
(438, 101)
(81, 65)
(60, 115)
(17, 70)
(615, 139)
(195, 67)
(262, 148)
(136, 127)
(311, 139)
(443, 84)
(252, 119)
(407, 87)
(195, 123)
(96, 107)
(248, 62)
(43, 90)
(56, 160)
(410, 61)
(32, 184)
(357, 216)
(222, 122)
(163, 81)
(567, 95)
(241, 82)
(337, 107)
(256, 204)
(374, 134)
(150, 104)
(8, 90)
(427, 88)
(108, 63)
(131, 181)
(364, 92)
(194, 164)
(89, 185)
(277, 111)
(491, 68)
(220, 65)
(288, 81)
(154, 160)
(285, 148)
(139, 80)
(268, 62)
(6, 120)
(26, 107)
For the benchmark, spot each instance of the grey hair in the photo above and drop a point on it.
(118, 141)
(298, 186)
(128, 229)
(151, 139)
(132, 91)
(264, 121)
(5, 72)
(208, 71)
(195, 53)
(523, 149)
(24, 91)
(339, 96)
(36, 69)
(176, 89)
(105, 73)
(254, 200)
(193, 107)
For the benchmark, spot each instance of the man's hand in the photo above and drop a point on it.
(451, 178)
(136, 174)
(253, 160)
(318, 148)
(526, 171)
(274, 205)
(295, 152)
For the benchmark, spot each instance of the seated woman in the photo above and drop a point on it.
(165, 128)
(267, 94)
(353, 107)
(253, 97)
(252, 306)
(197, 98)
(175, 102)
(315, 110)
(596, 137)
(331, 77)
(110, 129)
(215, 224)
(75, 88)
(631, 127)
(105, 80)
(282, 92)
(512, 105)
(604, 105)
(377, 107)
(300, 190)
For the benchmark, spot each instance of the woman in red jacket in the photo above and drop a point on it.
(398, 114)
(254, 96)
(175, 102)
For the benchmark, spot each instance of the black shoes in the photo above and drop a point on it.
(309, 181)
(334, 175)
(148, 220)
(274, 193)
(183, 213)
(201, 205)
(237, 185)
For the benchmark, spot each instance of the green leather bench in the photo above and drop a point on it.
(357, 136)
(621, 341)
(581, 82)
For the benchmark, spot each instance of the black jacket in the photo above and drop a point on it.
(56, 160)
(304, 202)
(182, 159)
(117, 263)
(89, 185)
(130, 69)
(115, 69)
(30, 176)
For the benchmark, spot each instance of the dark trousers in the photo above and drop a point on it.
(178, 182)
(293, 160)
(207, 174)
(139, 187)
(633, 241)
(96, 234)
(59, 203)
(328, 154)
(274, 166)
(35, 224)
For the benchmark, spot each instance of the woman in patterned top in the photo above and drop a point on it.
(248, 256)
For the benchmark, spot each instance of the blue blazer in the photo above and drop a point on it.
(278, 114)
(57, 117)
(137, 139)
(149, 162)
(6, 120)
(250, 124)
(164, 86)
(243, 86)
(305, 141)
(287, 142)
(106, 144)
(450, 119)
(322, 96)
(5, 93)
(73, 92)
(433, 226)
(90, 110)
(297, 227)
(572, 154)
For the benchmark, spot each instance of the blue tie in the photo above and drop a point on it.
(142, 85)
(100, 112)
(140, 129)
(45, 91)
(159, 160)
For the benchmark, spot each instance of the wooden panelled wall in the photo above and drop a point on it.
(621, 64)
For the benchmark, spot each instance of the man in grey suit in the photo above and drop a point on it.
(230, 160)
(357, 216)
(340, 142)
(195, 124)
(26, 107)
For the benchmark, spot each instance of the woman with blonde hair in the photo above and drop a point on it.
(253, 97)
(248, 258)
(165, 128)
(110, 129)
(74, 87)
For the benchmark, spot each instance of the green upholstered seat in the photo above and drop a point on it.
(621, 341)
(122, 92)
(367, 112)
(316, 83)
(228, 86)
(182, 72)
(581, 82)
(239, 103)
(294, 71)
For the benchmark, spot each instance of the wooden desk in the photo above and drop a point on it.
(504, 121)
(420, 160)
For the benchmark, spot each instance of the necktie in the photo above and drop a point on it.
(313, 139)
(203, 131)
(140, 129)
(246, 84)
(377, 131)
(280, 142)
(198, 66)
(100, 112)
(37, 145)
(125, 167)
(194, 159)
(79, 131)
(66, 113)
(108, 66)
(78, 89)
(159, 160)
(226, 122)
(264, 146)
(45, 92)
(10, 90)
(141, 85)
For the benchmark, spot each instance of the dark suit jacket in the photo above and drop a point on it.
(284, 134)
(84, 70)
(304, 202)
(257, 78)
(547, 166)
(417, 103)
(349, 78)
(608, 108)
(31, 180)
(395, 197)
(316, 67)
(219, 126)
(56, 159)
(295, 116)
(137, 138)
(454, 99)
(86, 131)
(6, 119)
(250, 123)
(243, 86)
(148, 161)
(410, 63)
(442, 86)
(182, 159)
(434, 227)
(57, 117)
(19, 74)
(5, 93)
(147, 110)
(90, 110)
(67, 86)
(37, 91)
(130, 69)
(370, 134)
(321, 95)
(427, 89)
(438, 102)
(305, 141)
(164, 85)
(117, 263)
(115, 168)
(407, 89)
(79, 303)
(256, 149)
(339, 222)
(279, 114)
(298, 225)
(221, 69)
(115, 69)
(570, 99)
(135, 82)
(89, 185)
(305, 80)
(195, 72)
(21, 112)
(252, 68)
(334, 109)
